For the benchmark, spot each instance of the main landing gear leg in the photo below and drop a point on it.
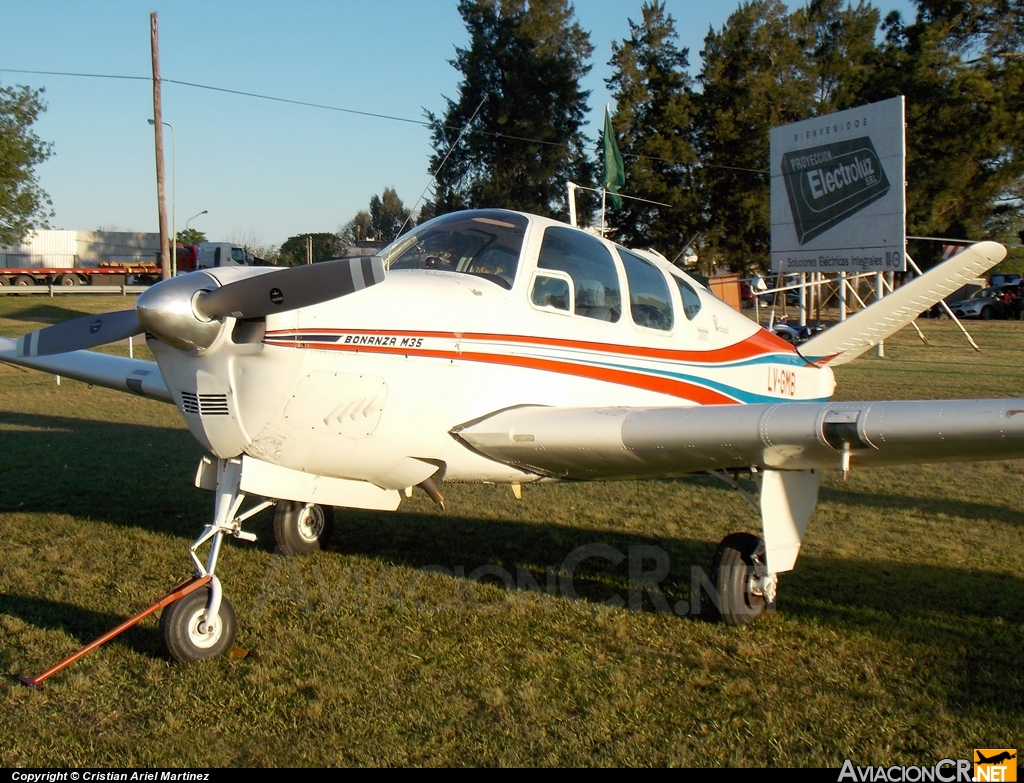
(745, 568)
(203, 624)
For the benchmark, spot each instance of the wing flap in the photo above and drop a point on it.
(847, 340)
(100, 369)
(626, 443)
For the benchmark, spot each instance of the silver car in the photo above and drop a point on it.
(986, 304)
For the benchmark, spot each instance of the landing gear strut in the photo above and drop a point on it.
(203, 624)
(745, 568)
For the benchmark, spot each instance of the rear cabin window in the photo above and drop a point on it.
(650, 302)
(691, 301)
(550, 292)
(587, 261)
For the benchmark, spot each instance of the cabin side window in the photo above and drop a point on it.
(587, 261)
(691, 301)
(650, 303)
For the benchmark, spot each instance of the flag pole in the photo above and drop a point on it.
(604, 185)
(603, 195)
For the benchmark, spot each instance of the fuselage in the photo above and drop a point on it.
(481, 311)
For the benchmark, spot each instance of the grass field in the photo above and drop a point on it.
(897, 638)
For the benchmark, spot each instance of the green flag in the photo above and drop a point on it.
(614, 174)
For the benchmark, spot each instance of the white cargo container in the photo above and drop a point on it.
(81, 257)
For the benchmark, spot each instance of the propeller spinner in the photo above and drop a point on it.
(185, 312)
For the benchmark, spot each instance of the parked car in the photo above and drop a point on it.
(986, 304)
(795, 334)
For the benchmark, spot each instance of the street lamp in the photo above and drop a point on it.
(174, 195)
(204, 212)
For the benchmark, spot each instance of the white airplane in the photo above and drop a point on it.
(506, 348)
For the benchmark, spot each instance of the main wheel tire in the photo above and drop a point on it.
(732, 574)
(300, 529)
(179, 626)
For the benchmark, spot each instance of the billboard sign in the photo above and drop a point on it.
(837, 195)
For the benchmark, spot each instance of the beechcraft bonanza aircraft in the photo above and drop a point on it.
(494, 346)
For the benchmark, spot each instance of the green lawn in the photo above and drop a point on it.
(896, 641)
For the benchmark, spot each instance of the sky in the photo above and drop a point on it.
(263, 170)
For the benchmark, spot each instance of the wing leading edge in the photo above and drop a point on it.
(100, 369)
(624, 443)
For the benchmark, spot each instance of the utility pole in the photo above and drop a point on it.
(158, 132)
(309, 249)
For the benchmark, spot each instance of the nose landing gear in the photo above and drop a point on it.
(203, 624)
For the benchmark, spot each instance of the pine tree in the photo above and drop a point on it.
(654, 113)
(754, 77)
(522, 69)
(961, 67)
(838, 40)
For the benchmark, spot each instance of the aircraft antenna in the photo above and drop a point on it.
(433, 177)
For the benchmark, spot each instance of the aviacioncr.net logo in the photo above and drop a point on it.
(944, 771)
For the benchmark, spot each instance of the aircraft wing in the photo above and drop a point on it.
(100, 369)
(608, 443)
(845, 341)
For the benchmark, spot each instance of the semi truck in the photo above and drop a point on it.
(108, 273)
(61, 258)
(210, 255)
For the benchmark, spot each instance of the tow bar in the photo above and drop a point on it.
(177, 593)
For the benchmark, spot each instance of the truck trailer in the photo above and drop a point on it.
(76, 258)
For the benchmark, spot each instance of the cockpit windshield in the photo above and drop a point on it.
(486, 243)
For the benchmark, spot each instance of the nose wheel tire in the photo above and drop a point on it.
(300, 528)
(733, 575)
(188, 637)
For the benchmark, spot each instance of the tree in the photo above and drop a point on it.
(24, 206)
(753, 78)
(654, 113)
(253, 242)
(961, 67)
(191, 236)
(838, 42)
(325, 246)
(385, 221)
(521, 99)
(388, 216)
(358, 229)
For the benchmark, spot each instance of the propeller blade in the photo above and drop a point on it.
(77, 334)
(290, 289)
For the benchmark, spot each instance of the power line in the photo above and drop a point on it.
(357, 112)
(87, 75)
(297, 103)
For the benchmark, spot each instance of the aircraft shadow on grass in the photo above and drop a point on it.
(927, 506)
(82, 624)
(40, 313)
(951, 609)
